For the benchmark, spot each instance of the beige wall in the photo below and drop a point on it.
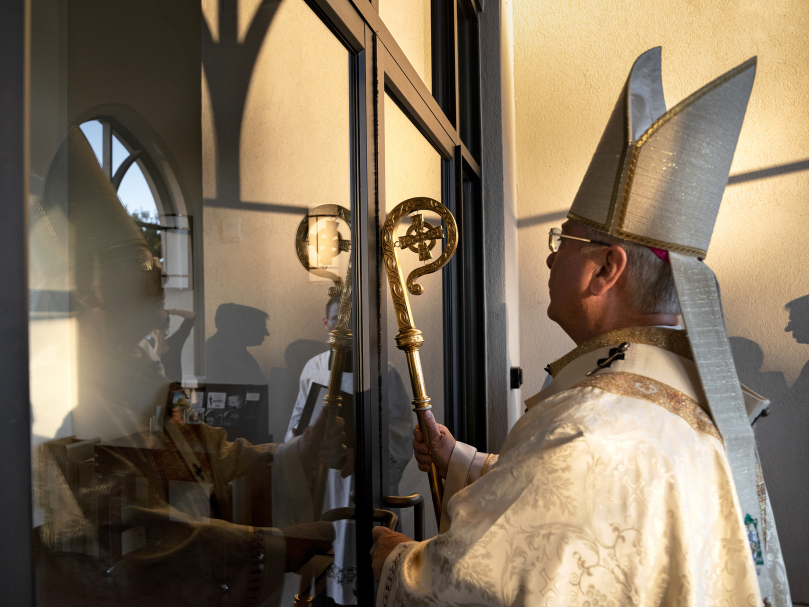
(571, 59)
(265, 169)
(410, 24)
(501, 261)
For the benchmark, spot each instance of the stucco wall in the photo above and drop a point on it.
(275, 116)
(499, 159)
(571, 59)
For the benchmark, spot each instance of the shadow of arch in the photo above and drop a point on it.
(228, 64)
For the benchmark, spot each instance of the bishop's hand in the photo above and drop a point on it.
(441, 446)
(330, 449)
(385, 540)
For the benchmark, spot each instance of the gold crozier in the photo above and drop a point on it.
(421, 237)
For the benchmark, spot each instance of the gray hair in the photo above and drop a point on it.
(650, 280)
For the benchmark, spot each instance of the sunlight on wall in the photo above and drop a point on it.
(210, 13)
(296, 115)
(209, 147)
(411, 25)
(53, 381)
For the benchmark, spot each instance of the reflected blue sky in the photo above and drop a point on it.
(133, 192)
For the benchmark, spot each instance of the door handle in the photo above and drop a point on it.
(415, 501)
(390, 519)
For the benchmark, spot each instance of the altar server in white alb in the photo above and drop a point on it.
(343, 573)
(632, 479)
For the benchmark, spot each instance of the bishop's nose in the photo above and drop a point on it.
(549, 260)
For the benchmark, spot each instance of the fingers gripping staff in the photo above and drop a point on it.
(421, 237)
(328, 244)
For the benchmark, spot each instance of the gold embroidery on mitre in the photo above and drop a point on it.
(599, 227)
(671, 340)
(659, 244)
(622, 383)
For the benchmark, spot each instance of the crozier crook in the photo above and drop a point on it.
(421, 237)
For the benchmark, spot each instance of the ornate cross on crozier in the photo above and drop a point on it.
(420, 237)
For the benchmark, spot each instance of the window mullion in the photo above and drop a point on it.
(106, 149)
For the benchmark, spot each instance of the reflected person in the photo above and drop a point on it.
(166, 350)
(340, 582)
(144, 517)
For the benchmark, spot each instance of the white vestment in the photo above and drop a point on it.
(612, 489)
(340, 581)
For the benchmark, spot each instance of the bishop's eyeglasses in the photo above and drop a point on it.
(555, 237)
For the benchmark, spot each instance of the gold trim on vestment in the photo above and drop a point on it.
(490, 459)
(633, 385)
(761, 490)
(671, 340)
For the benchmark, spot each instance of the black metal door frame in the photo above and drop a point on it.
(16, 572)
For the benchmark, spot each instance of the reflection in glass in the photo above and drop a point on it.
(131, 184)
(413, 168)
(136, 195)
(162, 472)
(411, 25)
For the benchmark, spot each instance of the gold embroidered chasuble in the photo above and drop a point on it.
(611, 489)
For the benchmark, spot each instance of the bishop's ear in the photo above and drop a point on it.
(610, 266)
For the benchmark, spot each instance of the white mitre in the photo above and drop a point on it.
(657, 179)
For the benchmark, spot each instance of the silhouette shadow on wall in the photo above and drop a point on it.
(782, 443)
(798, 325)
(284, 383)
(749, 358)
(227, 360)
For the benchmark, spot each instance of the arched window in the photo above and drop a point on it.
(144, 196)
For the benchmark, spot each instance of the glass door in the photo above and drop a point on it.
(206, 187)
(193, 252)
